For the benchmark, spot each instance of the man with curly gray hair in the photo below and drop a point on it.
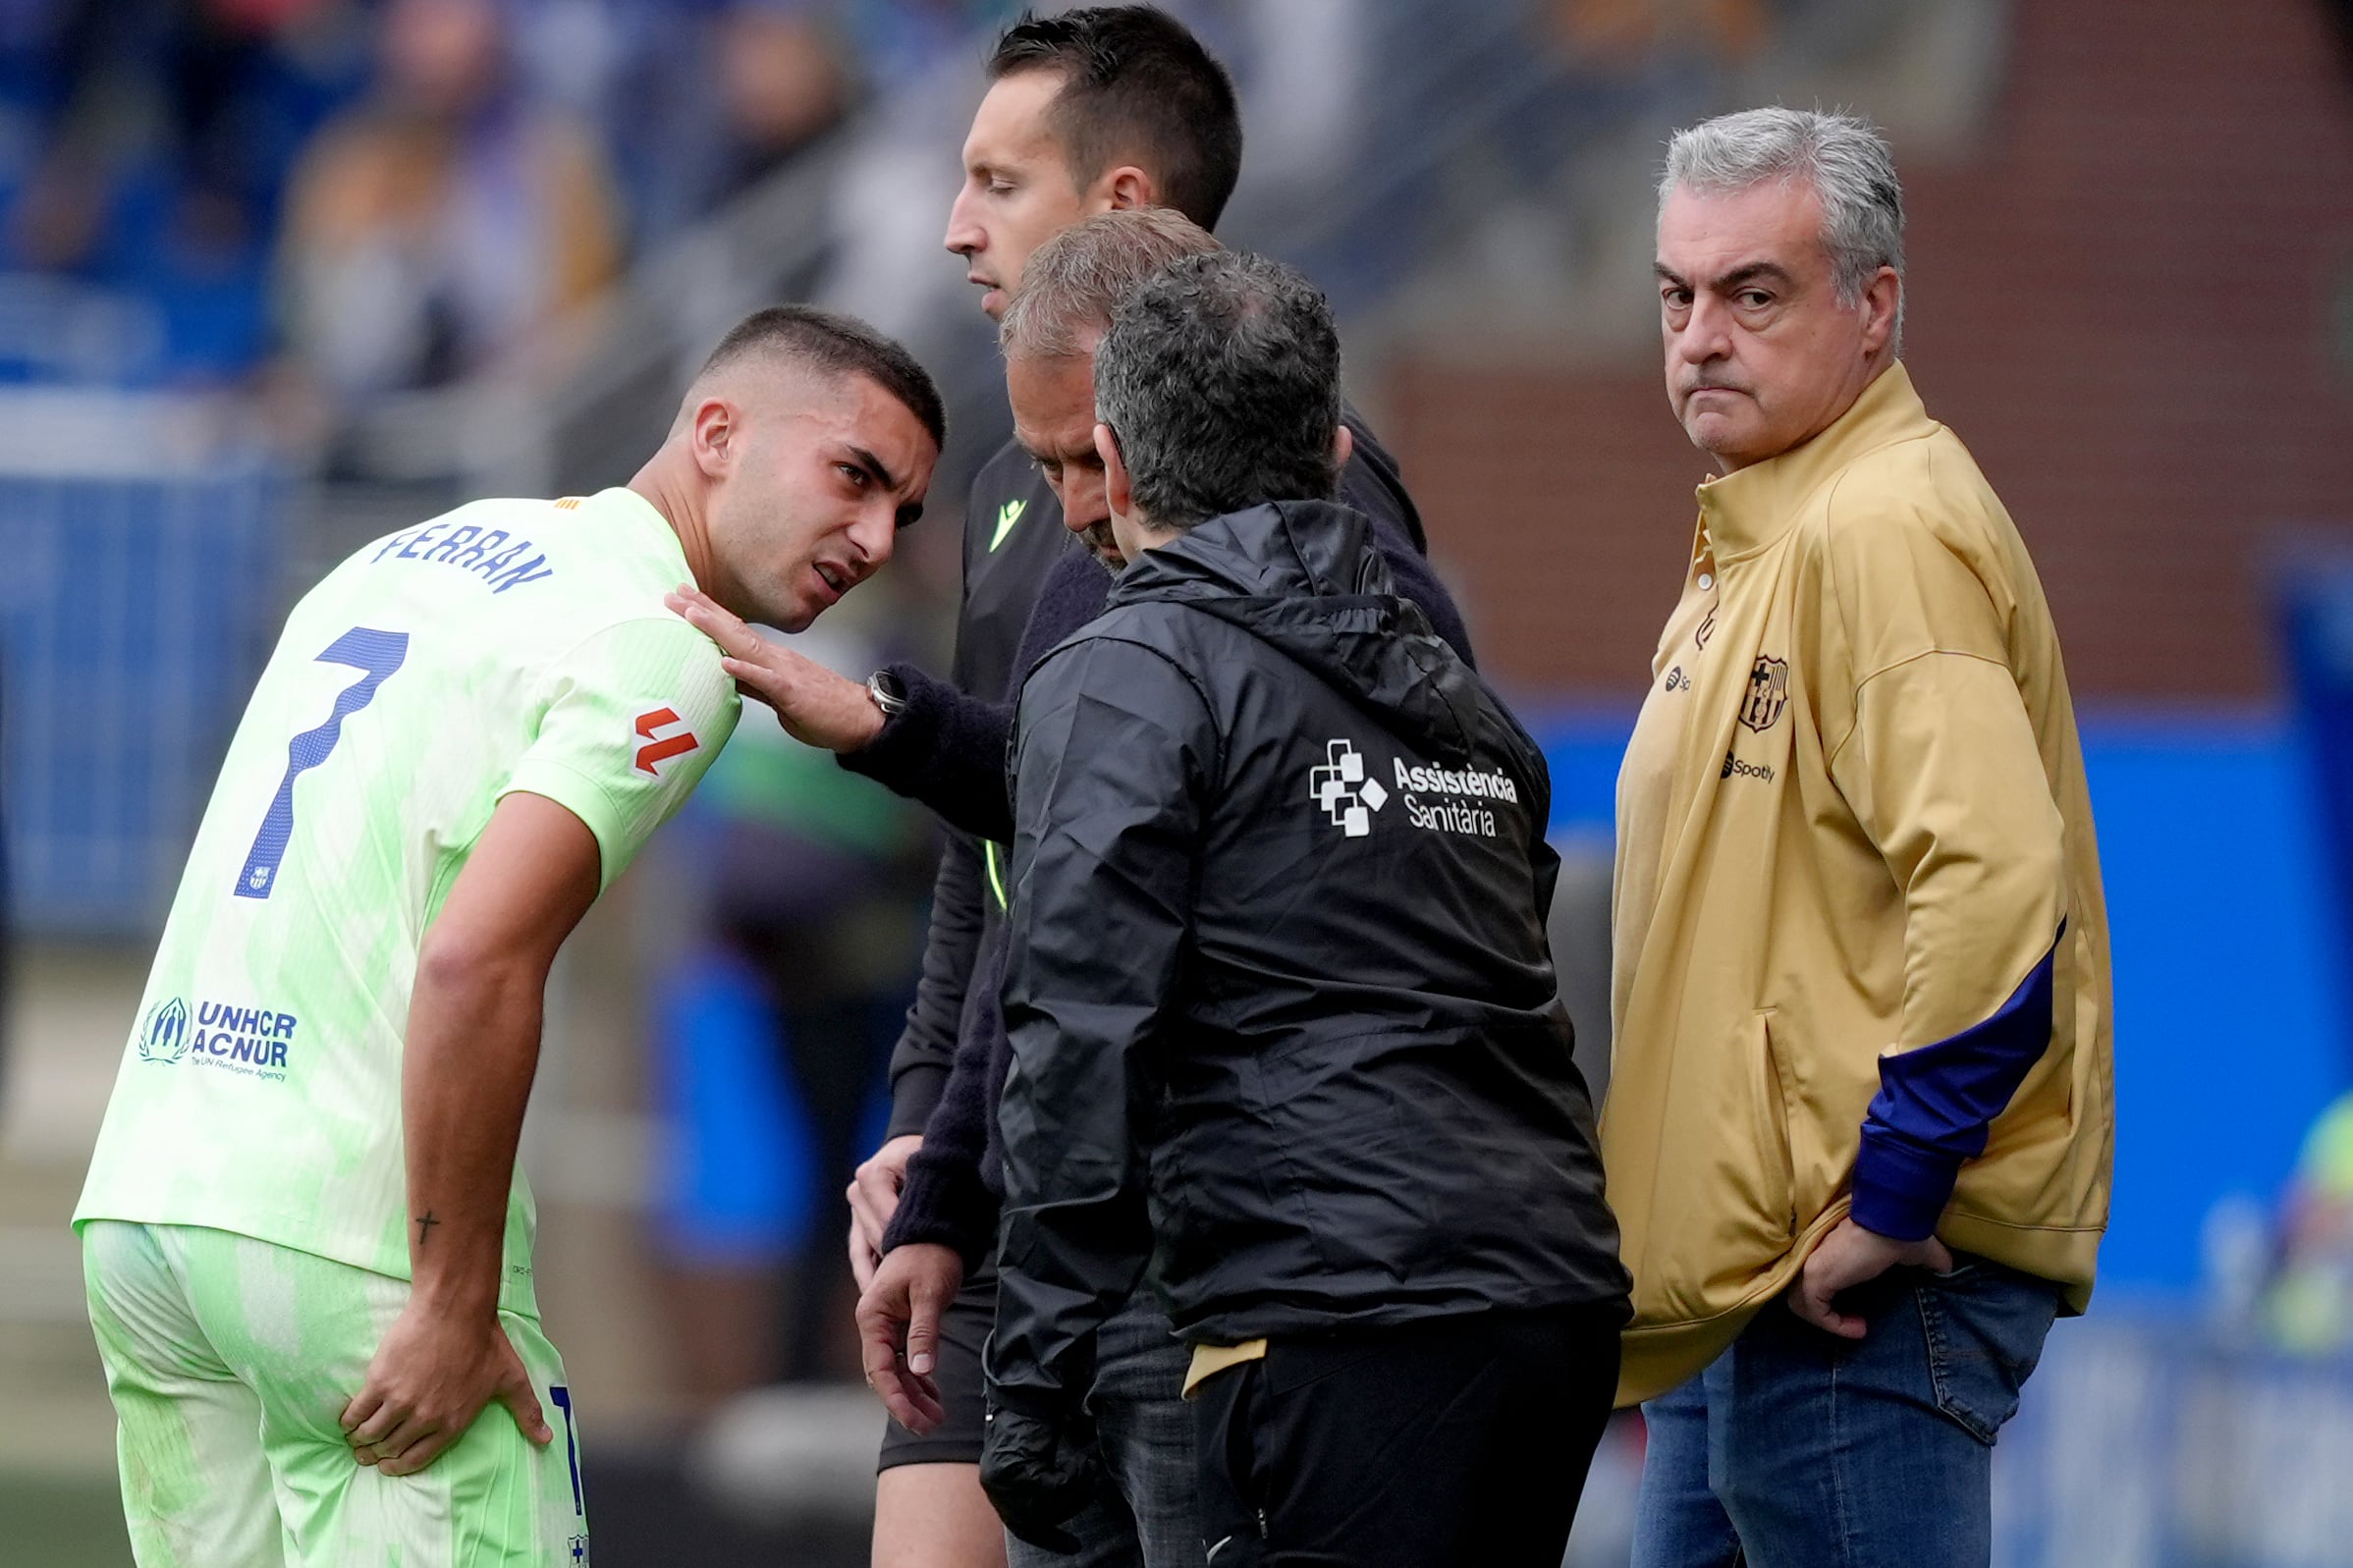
(1860, 1111)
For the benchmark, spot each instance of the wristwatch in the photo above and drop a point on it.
(883, 687)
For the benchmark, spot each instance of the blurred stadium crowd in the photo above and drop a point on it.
(330, 202)
(357, 199)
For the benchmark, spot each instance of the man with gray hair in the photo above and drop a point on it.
(1282, 1014)
(1860, 1111)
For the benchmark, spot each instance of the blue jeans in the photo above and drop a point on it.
(1145, 1431)
(1799, 1449)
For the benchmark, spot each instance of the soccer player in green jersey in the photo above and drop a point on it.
(307, 1245)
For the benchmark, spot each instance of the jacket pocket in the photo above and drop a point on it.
(1766, 1081)
(1719, 1220)
(1788, 1108)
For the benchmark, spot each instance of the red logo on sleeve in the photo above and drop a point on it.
(669, 746)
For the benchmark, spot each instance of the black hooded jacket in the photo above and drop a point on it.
(1282, 1010)
(1028, 584)
(950, 750)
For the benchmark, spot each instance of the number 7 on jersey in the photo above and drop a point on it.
(376, 654)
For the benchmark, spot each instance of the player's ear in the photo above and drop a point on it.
(1128, 186)
(1118, 492)
(1343, 444)
(717, 426)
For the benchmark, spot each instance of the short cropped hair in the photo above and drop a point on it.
(1220, 377)
(837, 345)
(1841, 156)
(1072, 283)
(1136, 82)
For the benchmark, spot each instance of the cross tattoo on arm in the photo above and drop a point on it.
(425, 1225)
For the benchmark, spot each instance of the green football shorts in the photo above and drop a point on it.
(231, 1361)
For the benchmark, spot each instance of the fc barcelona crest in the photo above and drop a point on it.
(1768, 695)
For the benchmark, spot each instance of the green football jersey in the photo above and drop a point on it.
(508, 645)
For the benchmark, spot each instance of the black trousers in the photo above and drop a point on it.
(1456, 1442)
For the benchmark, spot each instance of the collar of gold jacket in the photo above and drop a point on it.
(1748, 509)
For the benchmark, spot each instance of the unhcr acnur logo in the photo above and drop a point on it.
(164, 1036)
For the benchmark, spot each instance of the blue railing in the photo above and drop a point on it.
(139, 587)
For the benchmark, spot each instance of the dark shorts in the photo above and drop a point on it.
(964, 1328)
(1458, 1440)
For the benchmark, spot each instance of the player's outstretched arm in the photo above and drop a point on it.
(473, 1047)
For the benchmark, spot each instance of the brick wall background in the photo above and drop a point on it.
(2133, 301)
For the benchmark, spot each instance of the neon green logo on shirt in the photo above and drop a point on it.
(1007, 515)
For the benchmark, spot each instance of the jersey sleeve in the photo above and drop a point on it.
(635, 715)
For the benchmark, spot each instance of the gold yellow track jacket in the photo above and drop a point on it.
(1853, 829)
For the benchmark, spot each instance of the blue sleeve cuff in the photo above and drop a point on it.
(1900, 1188)
(1935, 1105)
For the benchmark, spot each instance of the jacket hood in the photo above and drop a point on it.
(1305, 577)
